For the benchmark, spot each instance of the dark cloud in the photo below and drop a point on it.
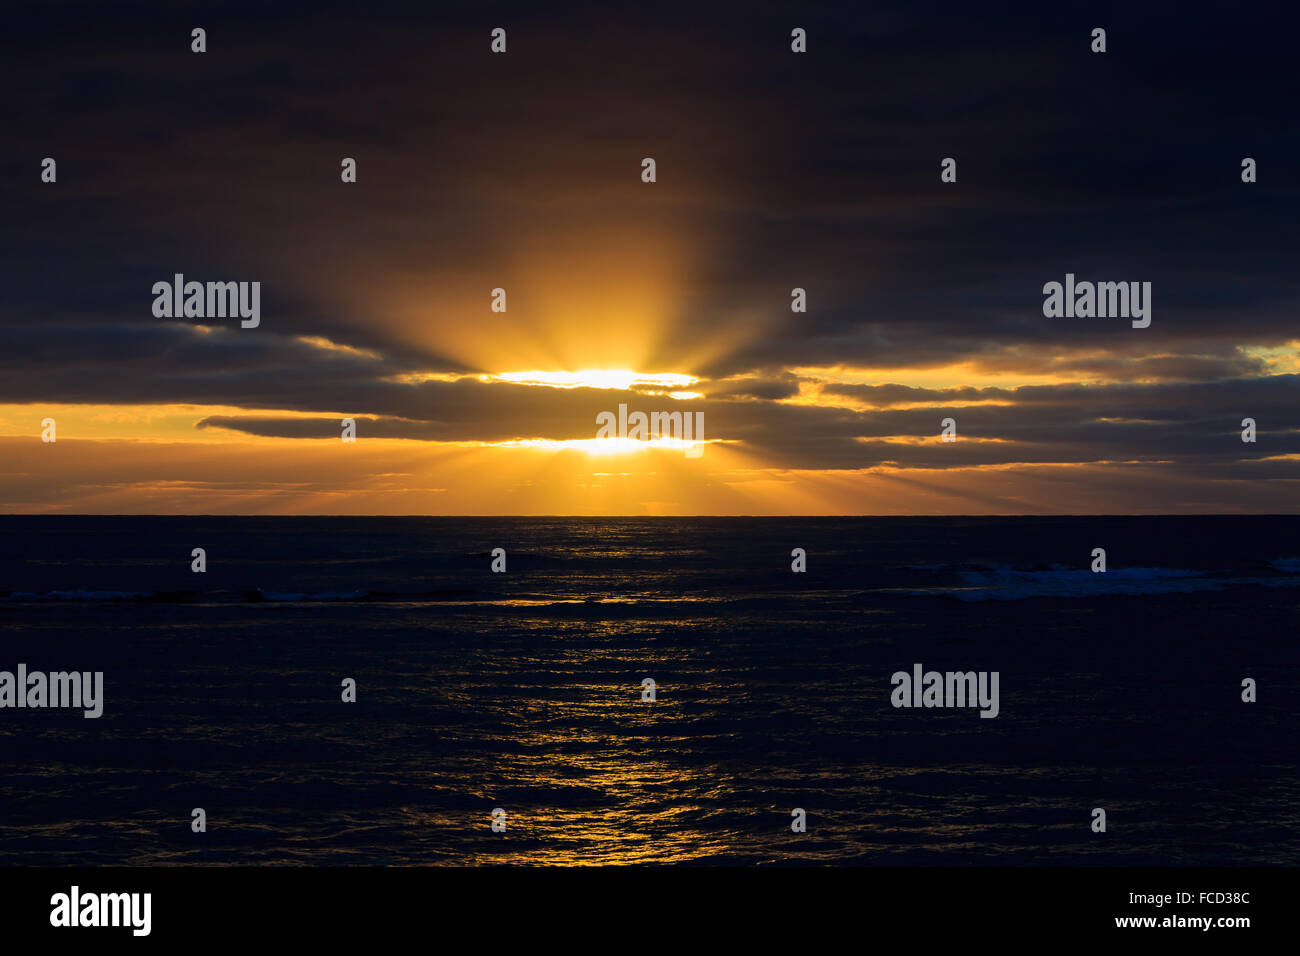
(775, 171)
(1193, 424)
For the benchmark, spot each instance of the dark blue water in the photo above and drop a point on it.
(523, 690)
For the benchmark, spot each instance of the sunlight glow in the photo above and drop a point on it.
(326, 345)
(601, 446)
(621, 379)
(614, 378)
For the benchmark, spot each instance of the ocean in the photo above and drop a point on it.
(522, 691)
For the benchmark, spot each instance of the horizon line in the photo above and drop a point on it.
(641, 517)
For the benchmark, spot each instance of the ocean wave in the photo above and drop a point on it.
(591, 595)
(1007, 583)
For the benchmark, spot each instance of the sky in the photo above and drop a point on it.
(774, 170)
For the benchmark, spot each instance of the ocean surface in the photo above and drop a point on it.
(523, 690)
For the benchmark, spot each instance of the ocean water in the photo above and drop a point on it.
(522, 690)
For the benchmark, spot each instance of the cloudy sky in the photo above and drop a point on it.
(775, 170)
